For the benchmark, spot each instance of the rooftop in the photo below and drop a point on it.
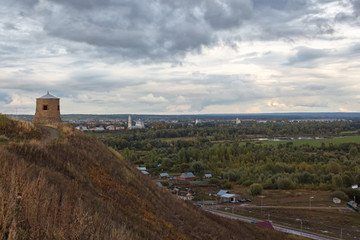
(48, 96)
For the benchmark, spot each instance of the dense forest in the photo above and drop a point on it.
(233, 156)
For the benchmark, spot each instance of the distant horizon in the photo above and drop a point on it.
(195, 113)
(207, 114)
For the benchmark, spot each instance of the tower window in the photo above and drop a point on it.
(58, 107)
(45, 107)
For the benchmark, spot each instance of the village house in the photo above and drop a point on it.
(81, 128)
(208, 175)
(222, 192)
(159, 184)
(228, 198)
(141, 168)
(188, 176)
(110, 128)
(187, 197)
(164, 175)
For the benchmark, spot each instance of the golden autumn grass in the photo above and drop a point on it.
(77, 188)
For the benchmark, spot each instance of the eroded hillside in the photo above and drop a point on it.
(76, 188)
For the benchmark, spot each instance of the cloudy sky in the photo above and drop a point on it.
(181, 56)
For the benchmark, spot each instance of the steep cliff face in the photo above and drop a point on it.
(77, 188)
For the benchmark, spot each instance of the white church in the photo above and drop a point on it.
(138, 124)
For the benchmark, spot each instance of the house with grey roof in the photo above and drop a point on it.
(227, 197)
(222, 192)
(164, 175)
(188, 176)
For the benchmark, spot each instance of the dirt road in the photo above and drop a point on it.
(50, 134)
(277, 227)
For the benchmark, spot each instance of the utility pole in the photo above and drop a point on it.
(341, 233)
(261, 197)
(298, 219)
(310, 198)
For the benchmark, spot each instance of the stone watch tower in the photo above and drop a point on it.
(47, 109)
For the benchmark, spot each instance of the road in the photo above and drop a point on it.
(51, 134)
(276, 226)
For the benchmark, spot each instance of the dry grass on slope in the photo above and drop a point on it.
(79, 189)
(17, 129)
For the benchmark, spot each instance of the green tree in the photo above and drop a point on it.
(256, 189)
(337, 180)
(333, 167)
(353, 151)
(284, 183)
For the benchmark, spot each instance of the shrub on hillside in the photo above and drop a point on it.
(284, 183)
(256, 189)
(337, 180)
(341, 195)
(214, 181)
(226, 184)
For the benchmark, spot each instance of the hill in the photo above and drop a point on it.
(76, 188)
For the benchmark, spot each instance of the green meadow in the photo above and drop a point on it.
(314, 142)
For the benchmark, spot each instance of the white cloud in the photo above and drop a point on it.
(180, 56)
(150, 98)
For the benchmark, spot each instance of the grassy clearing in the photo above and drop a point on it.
(295, 204)
(328, 222)
(177, 139)
(347, 133)
(313, 142)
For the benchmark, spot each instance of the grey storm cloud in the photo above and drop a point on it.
(314, 87)
(191, 54)
(306, 54)
(356, 7)
(163, 30)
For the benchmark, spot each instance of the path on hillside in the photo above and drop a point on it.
(220, 206)
(50, 135)
(277, 227)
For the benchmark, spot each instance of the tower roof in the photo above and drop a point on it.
(48, 96)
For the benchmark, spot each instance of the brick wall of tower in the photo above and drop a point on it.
(48, 114)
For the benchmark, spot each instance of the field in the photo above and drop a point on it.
(314, 142)
(317, 214)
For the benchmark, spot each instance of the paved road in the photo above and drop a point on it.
(51, 134)
(293, 207)
(276, 226)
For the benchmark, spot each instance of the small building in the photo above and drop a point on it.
(222, 192)
(265, 224)
(187, 197)
(355, 186)
(81, 128)
(141, 168)
(164, 175)
(145, 173)
(228, 198)
(336, 200)
(207, 175)
(159, 184)
(352, 204)
(98, 129)
(188, 176)
(110, 128)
